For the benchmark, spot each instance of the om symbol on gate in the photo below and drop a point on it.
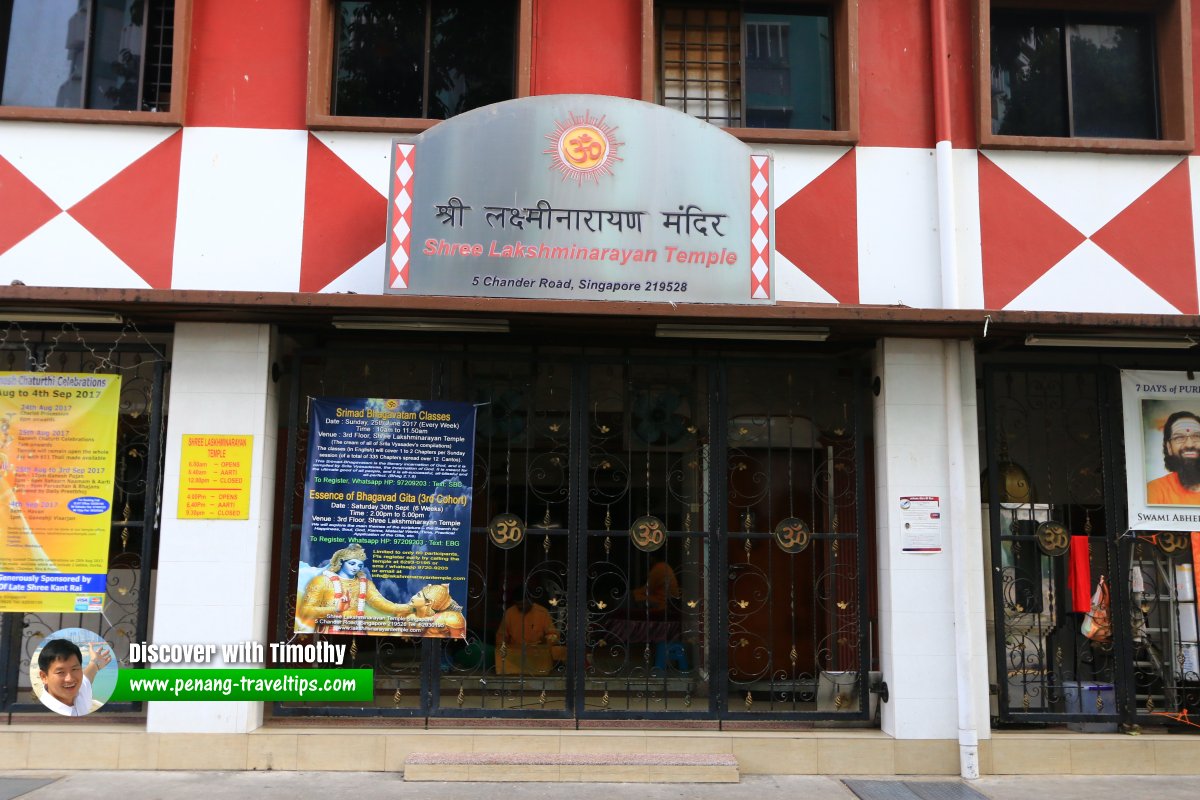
(1172, 542)
(647, 534)
(792, 535)
(506, 531)
(1053, 538)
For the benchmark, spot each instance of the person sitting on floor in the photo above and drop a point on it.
(661, 586)
(527, 641)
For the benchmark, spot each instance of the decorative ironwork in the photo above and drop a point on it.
(506, 531)
(1164, 667)
(594, 449)
(1059, 424)
(795, 611)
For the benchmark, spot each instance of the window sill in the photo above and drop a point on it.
(993, 141)
(789, 136)
(329, 122)
(34, 114)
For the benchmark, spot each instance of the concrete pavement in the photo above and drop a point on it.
(132, 785)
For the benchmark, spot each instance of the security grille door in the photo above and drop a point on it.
(1052, 526)
(652, 536)
(1054, 509)
(794, 636)
(649, 528)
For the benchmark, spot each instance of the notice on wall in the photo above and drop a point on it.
(921, 524)
(1162, 449)
(214, 476)
(58, 441)
(387, 518)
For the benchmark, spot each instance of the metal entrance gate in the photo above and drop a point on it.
(691, 528)
(135, 503)
(1057, 528)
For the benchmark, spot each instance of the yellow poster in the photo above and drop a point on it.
(58, 441)
(214, 476)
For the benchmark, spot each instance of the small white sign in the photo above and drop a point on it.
(921, 521)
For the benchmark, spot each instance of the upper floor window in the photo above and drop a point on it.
(1069, 74)
(413, 59)
(101, 55)
(1103, 76)
(777, 68)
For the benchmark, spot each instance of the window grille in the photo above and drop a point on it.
(700, 63)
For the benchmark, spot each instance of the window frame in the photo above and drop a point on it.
(844, 18)
(1172, 25)
(180, 43)
(322, 47)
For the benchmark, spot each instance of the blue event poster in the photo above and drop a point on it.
(387, 518)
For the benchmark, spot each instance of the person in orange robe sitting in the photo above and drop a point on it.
(527, 641)
(661, 585)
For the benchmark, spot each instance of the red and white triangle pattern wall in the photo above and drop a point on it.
(288, 210)
(91, 206)
(1087, 232)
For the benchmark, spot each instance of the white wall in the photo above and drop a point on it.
(916, 610)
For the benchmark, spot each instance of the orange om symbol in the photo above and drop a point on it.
(792, 535)
(647, 534)
(584, 148)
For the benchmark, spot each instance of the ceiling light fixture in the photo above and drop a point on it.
(1177, 342)
(667, 330)
(433, 324)
(61, 315)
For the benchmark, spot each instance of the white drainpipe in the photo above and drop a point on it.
(968, 733)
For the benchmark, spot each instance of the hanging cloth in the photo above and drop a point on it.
(1079, 575)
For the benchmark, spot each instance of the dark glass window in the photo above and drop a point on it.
(423, 58)
(100, 54)
(1067, 74)
(789, 71)
(753, 66)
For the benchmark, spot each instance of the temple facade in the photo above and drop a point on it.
(812, 382)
